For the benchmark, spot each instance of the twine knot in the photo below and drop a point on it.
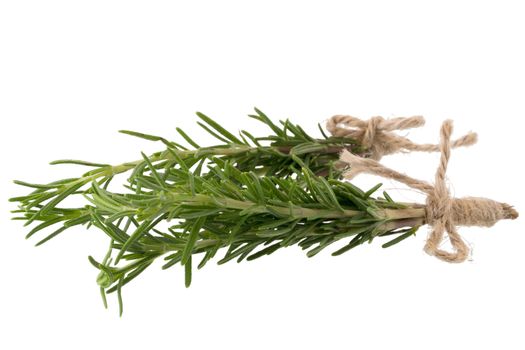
(373, 127)
(442, 212)
(377, 135)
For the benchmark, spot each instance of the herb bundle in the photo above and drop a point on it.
(247, 197)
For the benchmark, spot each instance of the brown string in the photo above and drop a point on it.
(443, 213)
(377, 136)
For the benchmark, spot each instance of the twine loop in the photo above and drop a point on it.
(377, 135)
(442, 212)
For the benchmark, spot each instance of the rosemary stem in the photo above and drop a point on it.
(292, 210)
(232, 150)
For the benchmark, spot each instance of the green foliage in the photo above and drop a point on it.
(240, 198)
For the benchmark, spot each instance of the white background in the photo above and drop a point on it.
(72, 73)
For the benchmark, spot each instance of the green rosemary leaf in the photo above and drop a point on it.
(372, 190)
(251, 137)
(322, 131)
(112, 231)
(119, 296)
(187, 272)
(44, 225)
(141, 230)
(294, 129)
(255, 184)
(329, 193)
(219, 128)
(106, 181)
(108, 254)
(153, 171)
(134, 273)
(352, 231)
(103, 199)
(187, 138)
(387, 197)
(212, 133)
(358, 202)
(358, 239)
(347, 187)
(240, 251)
(266, 251)
(142, 135)
(304, 134)
(172, 260)
(263, 118)
(78, 162)
(55, 233)
(38, 186)
(207, 256)
(192, 238)
(104, 299)
(146, 183)
(178, 160)
(402, 237)
(119, 216)
(60, 197)
(285, 125)
(310, 183)
(94, 262)
(323, 244)
(122, 276)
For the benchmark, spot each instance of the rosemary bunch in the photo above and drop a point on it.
(251, 196)
(245, 199)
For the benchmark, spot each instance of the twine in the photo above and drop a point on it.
(442, 212)
(377, 136)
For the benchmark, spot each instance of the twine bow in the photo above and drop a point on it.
(377, 136)
(443, 213)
